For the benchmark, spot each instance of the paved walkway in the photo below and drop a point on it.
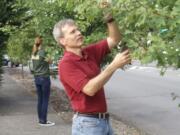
(18, 113)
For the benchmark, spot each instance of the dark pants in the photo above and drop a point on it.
(43, 92)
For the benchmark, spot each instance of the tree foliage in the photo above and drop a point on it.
(6, 12)
(150, 28)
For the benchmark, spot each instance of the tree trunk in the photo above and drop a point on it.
(22, 71)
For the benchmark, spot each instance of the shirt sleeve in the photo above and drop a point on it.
(72, 76)
(99, 50)
(42, 53)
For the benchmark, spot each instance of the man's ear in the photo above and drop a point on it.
(62, 41)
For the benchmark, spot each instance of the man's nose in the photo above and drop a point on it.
(78, 32)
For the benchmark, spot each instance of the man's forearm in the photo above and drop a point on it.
(114, 32)
(95, 84)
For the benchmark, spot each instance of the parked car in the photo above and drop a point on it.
(5, 62)
(8, 62)
(13, 64)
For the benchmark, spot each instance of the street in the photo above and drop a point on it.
(141, 97)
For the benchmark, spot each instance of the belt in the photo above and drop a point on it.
(94, 115)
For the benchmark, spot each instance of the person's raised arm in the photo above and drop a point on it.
(114, 35)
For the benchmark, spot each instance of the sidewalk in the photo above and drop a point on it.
(18, 112)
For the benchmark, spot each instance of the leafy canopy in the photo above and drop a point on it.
(150, 28)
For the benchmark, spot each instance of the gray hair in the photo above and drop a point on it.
(57, 31)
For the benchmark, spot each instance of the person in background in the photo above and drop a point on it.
(81, 75)
(42, 81)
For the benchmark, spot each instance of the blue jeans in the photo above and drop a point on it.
(90, 126)
(43, 92)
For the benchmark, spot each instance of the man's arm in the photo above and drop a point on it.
(114, 35)
(121, 59)
(96, 83)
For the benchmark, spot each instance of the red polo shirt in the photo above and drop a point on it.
(76, 71)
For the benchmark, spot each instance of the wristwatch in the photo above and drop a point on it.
(110, 20)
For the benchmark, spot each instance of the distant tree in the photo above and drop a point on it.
(11, 19)
(3, 36)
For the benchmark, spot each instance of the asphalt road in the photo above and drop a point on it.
(141, 97)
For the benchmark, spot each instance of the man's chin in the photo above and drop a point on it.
(80, 44)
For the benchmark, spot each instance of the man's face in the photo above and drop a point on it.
(72, 37)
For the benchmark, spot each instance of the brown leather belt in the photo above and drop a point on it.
(94, 115)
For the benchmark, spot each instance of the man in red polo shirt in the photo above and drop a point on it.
(83, 80)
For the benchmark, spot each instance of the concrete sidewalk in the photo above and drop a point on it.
(18, 112)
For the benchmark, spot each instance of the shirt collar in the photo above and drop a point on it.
(76, 57)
